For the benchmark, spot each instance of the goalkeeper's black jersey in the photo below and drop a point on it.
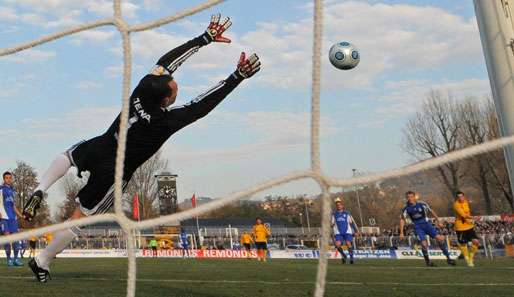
(149, 124)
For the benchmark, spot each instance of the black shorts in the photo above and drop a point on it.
(98, 157)
(463, 237)
(247, 246)
(32, 245)
(154, 248)
(261, 245)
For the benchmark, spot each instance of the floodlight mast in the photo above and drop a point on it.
(496, 25)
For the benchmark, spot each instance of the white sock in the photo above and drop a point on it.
(57, 169)
(61, 240)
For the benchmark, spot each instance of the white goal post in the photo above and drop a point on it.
(496, 25)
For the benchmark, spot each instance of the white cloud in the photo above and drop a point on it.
(33, 19)
(30, 56)
(45, 6)
(272, 132)
(93, 36)
(279, 126)
(71, 18)
(391, 38)
(88, 85)
(8, 14)
(153, 44)
(9, 29)
(404, 97)
(12, 88)
(75, 124)
(210, 65)
(47, 14)
(113, 71)
(152, 4)
(105, 8)
(61, 13)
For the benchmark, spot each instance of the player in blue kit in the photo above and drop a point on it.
(9, 213)
(184, 244)
(417, 212)
(344, 229)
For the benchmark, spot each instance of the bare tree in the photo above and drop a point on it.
(434, 131)
(71, 185)
(475, 130)
(144, 184)
(25, 181)
(496, 159)
(443, 125)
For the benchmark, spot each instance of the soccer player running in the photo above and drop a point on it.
(246, 242)
(418, 212)
(152, 120)
(465, 228)
(184, 243)
(345, 228)
(9, 214)
(260, 234)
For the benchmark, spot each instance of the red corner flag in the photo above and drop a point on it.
(193, 200)
(135, 207)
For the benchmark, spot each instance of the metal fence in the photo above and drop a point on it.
(286, 238)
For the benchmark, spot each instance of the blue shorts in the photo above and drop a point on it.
(9, 226)
(343, 237)
(424, 229)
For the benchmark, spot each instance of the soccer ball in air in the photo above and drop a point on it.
(343, 55)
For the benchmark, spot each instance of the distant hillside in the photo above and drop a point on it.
(186, 204)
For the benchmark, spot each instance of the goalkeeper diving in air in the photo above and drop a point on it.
(152, 120)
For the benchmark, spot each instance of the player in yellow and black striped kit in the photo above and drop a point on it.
(261, 233)
(465, 228)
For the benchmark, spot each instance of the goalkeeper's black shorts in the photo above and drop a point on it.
(98, 158)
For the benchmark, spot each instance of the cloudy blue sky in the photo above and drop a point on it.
(67, 90)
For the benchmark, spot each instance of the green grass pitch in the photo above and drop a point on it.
(224, 278)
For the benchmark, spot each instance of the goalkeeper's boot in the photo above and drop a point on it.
(451, 262)
(31, 207)
(42, 275)
(18, 262)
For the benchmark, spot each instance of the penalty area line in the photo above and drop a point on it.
(285, 282)
(438, 268)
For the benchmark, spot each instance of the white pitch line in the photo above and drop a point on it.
(440, 268)
(270, 282)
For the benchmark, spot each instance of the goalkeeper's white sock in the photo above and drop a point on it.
(61, 240)
(57, 169)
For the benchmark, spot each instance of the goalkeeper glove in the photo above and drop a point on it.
(246, 68)
(216, 28)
